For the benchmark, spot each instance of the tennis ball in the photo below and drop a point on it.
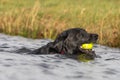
(87, 46)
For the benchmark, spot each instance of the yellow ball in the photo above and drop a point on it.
(87, 46)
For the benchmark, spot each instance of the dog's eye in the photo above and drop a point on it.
(85, 35)
(79, 35)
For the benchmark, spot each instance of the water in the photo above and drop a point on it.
(16, 65)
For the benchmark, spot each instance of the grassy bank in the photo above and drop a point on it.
(47, 18)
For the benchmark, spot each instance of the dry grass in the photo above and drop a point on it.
(108, 30)
(26, 22)
(46, 19)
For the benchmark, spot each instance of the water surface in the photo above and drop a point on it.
(15, 64)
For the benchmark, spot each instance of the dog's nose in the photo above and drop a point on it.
(95, 36)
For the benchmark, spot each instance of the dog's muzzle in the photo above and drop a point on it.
(90, 54)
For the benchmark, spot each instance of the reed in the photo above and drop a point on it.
(46, 19)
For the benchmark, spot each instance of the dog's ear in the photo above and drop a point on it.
(58, 43)
(61, 37)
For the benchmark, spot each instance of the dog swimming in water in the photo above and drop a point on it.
(69, 43)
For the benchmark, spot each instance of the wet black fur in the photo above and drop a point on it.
(69, 43)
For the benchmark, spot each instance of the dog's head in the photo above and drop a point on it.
(70, 42)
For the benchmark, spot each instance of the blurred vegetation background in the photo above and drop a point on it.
(48, 18)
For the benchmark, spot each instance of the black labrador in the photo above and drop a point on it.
(68, 43)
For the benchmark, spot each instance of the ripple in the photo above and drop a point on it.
(53, 67)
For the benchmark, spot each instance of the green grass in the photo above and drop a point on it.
(47, 18)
